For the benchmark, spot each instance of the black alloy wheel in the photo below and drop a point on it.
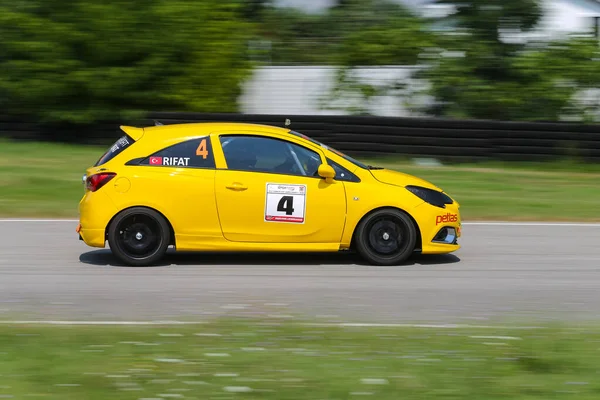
(386, 237)
(139, 236)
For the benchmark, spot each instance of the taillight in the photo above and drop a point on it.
(95, 182)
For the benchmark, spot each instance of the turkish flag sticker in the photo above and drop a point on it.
(155, 160)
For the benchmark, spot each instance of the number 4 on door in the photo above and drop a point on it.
(286, 204)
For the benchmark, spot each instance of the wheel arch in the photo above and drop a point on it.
(171, 230)
(419, 241)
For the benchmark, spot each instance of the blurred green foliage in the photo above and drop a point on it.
(353, 32)
(482, 61)
(81, 61)
(489, 71)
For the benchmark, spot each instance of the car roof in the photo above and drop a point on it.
(205, 128)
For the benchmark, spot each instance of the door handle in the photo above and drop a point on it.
(237, 186)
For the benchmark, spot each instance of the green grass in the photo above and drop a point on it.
(44, 180)
(282, 360)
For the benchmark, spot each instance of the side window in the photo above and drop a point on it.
(195, 153)
(263, 154)
(341, 173)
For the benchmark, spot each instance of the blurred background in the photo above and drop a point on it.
(402, 83)
(84, 61)
(496, 101)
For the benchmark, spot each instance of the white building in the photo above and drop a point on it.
(304, 90)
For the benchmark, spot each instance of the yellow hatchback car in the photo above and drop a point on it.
(247, 187)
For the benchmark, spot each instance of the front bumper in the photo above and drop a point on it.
(440, 228)
(447, 235)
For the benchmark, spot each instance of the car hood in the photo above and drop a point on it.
(401, 179)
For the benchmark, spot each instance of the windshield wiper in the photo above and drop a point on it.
(372, 167)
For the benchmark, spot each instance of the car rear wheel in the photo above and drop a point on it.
(386, 237)
(139, 236)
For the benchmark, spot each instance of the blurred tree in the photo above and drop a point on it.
(379, 32)
(372, 33)
(294, 37)
(485, 61)
(490, 67)
(341, 3)
(81, 61)
(255, 9)
(351, 32)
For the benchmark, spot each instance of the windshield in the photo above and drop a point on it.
(339, 153)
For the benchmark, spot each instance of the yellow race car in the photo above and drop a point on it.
(248, 187)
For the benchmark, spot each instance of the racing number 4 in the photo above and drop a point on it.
(286, 204)
(201, 150)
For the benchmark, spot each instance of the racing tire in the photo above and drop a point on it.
(139, 236)
(386, 237)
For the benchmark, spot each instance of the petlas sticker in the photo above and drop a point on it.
(440, 219)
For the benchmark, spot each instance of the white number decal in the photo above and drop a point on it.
(285, 203)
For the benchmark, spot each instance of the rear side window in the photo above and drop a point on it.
(120, 145)
(195, 153)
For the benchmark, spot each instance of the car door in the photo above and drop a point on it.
(271, 193)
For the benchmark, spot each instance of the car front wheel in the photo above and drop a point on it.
(386, 237)
(139, 236)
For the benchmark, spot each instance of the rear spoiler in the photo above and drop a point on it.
(133, 132)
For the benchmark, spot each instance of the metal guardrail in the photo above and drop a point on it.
(444, 139)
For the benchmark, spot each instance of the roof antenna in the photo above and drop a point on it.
(156, 123)
(288, 122)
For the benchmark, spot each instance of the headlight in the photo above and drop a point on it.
(433, 197)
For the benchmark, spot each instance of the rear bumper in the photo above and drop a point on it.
(95, 212)
(93, 237)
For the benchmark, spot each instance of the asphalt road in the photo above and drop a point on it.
(525, 273)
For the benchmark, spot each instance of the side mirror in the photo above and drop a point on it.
(327, 172)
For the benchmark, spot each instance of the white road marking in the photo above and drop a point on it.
(496, 337)
(374, 381)
(429, 326)
(509, 223)
(237, 389)
(333, 324)
(474, 223)
(55, 322)
(36, 220)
